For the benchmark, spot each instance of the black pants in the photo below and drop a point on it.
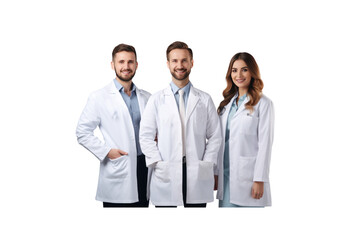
(184, 191)
(142, 175)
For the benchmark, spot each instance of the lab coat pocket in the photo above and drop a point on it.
(205, 170)
(245, 168)
(249, 124)
(117, 168)
(200, 181)
(161, 171)
(110, 111)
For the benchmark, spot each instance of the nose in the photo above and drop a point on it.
(239, 74)
(179, 65)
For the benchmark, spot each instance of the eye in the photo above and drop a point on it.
(234, 70)
(244, 70)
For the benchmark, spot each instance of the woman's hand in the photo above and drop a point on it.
(257, 190)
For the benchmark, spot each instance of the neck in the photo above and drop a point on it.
(127, 85)
(180, 83)
(241, 92)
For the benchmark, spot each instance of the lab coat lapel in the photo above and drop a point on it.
(224, 115)
(170, 101)
(193, 99)
(141, 99)
(242, 107)
(118, 100)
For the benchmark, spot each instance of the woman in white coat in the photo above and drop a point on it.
(247, 120)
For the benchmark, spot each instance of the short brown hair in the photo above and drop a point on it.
(124, 47)
(178, 45)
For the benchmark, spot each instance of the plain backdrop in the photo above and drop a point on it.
(53, 54)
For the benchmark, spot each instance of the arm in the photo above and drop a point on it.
(265, 140)
(88, 122)
(213, 135)
(148, 132)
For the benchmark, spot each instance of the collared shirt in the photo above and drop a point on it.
(233, 110)
(133, 108)
(226, 189)
(175, 90)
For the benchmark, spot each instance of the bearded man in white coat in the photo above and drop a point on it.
(180, 137)
(116, 109)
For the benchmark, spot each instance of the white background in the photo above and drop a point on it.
(54, 53)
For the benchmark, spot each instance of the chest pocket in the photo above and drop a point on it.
(109, 110)
(249, 124)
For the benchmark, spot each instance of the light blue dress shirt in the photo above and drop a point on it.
(226, 200)
(186, 89)
(133, 108)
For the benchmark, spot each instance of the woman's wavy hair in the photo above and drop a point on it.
(255, 87)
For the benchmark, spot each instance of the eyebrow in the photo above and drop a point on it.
(176, 59)
(241, 67)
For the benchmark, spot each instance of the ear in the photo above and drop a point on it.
(192, 63)
(168, 65)
(136, 65)
(112, 64)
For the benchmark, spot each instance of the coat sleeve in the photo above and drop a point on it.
(265, 140)
(213, 135)
(147, 133)
(220, 151)
(89, 120)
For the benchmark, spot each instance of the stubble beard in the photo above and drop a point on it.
(186, 75)
(124, 79)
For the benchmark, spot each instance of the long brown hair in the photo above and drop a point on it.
(255, 87)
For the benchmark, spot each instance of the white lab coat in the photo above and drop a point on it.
(250, 145)
(203, 139)
(107, 110)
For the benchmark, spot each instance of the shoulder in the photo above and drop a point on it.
(100, 92)
(265, 100)
(161, 93)
(265, 103)
(157, 97)
(201, 94)
(144, 93)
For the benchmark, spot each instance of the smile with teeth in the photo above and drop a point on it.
(126, 72)
(240, 80)
(180, 71)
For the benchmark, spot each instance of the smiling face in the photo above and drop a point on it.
(180, 64)
(125, 65)
(241, 76)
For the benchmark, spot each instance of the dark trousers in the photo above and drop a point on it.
(184, 191)
(142, 175)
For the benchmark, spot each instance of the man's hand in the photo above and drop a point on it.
(215, 182)
(115, 153)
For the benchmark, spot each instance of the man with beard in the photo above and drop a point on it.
(184, 120)
(116, 109)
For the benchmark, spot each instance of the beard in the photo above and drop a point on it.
(183, 78)
(129, 78)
